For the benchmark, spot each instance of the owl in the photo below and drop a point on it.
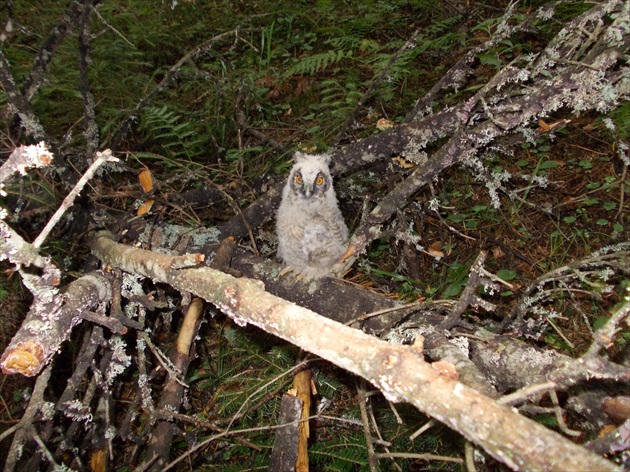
(312, 235)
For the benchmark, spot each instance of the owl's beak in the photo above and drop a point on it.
(308, 191)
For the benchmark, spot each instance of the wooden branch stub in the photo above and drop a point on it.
(25, 358)
(284, 455)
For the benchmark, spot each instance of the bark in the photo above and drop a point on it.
(284, 455)
(398, 371)
(161, 439)
(18, 105)
(334, 298)
(511, 364)
(437, 347)
(66, 24)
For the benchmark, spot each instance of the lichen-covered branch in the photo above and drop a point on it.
(50, 322)
(162, 436)
(89, 115)
(586, 79)
(18, 105)
(46, 54)
(398, 371)
(593, 270)
(101, 158)
(22, 158)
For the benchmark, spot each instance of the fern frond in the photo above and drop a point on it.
(318, 62)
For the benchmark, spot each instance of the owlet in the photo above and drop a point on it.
(312, 235)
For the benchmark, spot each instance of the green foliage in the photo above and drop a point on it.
(3, 290)
(346, 454)
(328, 386)
(621, 118)
(457, 278)
(177, 137)
(255, 354)
(318, 62)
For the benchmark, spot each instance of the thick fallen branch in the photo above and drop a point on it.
(398, 371)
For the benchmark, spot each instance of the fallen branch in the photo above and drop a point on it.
(398, 371)
(49, 323)
(162, 435)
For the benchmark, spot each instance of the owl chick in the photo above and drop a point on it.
(312, 235)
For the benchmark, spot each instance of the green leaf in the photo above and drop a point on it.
(569, 219)
(453, 289)
(506, 274)
(585, 164)
(456, 218)
(548, 165)
(472, 224)
(599, 322)
(609, 205)
(602, 221)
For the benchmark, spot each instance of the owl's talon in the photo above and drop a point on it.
(285, 271)
(298, 275)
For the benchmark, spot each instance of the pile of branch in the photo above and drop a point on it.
(581, 69)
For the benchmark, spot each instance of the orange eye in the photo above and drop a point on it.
(319, 180)
(298, 179)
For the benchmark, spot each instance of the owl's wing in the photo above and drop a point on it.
(324, 241)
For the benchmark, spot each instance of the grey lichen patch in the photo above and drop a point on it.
(37, 327)
(413, 153)
(462, 343)
(120, 359)
(77, 411)
(369, 157)
(313, 286)
(102, 285)
(421, 136)
(177, 239)
(264, 269)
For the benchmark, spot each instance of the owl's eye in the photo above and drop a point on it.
(319, 180)
(298, 179)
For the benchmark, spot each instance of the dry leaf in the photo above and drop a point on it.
(383, 124)
(146, 180)
(146, 207)
(545, 127)
(435, 250)
(402, 162)
(497, 252)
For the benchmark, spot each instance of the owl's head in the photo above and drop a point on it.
(310, 176)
